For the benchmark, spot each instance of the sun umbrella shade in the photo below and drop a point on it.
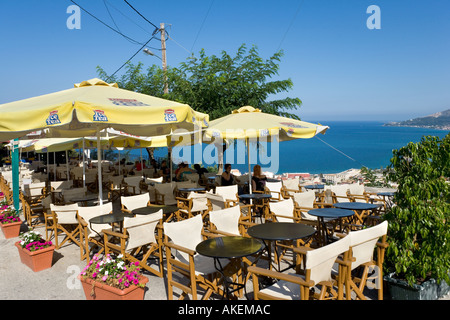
(95, 105)
(248, 122)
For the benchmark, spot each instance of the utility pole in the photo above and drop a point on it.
(163, 50)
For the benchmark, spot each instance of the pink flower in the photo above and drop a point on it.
(104, 278)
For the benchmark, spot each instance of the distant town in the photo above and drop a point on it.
(439, 120)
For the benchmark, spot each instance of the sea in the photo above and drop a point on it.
(345, 145)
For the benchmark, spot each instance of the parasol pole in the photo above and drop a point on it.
(84, 166)
(99, 167)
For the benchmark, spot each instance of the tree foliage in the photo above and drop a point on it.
(216, 84)
(419, 234)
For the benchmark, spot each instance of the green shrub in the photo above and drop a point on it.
(419, 235)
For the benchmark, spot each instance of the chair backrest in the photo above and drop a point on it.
(66, 214)
(90, 177)
(186, 184)
(228, 192)
(363, 242)
(217, 201)
(133, 180)
(186, 233)
(59, 185)
(156, 180)
(283, 208)
(340, 191)
(199, 201)
(274, 187)
(167, 190)
(33, 189)
(357, 189)
(141, 229)
(88, 213)
(292, 184)
(193, 177)
(226, 220)
(69, 194)
(46, 203)
(116, 181)
(134, 202)
(320, 261)
(306, 200)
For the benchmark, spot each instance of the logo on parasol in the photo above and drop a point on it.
(53, 118)
(169, 115)
(99, 115)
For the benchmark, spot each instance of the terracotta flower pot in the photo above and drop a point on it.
(11, 230)
(102, 291)
(36, 260)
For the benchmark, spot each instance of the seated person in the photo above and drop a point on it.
(258, 179)
(138, 165)
(164, 171)
(201, 171)
(182, 168)
(227, 178)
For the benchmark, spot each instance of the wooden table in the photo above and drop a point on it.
(233, 248)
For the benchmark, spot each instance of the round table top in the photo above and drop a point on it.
(333, 213)
(314, 186)
(255, 196)
(280, 231)
(155, 208)
(109, 218)
(191, 189)
(387, 194)
(84, 198)
(228, 247)
(356, 205)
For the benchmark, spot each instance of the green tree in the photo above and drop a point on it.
(216, 84)
(419, 234)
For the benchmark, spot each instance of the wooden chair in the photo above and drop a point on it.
(132, 185)
(362, 246)
(164, 194)
(92, 235)
(229, 193)
(49, 233)
(69, 194)
(116, 187)
(140, 240)
(34, 215)
(317, 277)
(133, 202)
(180, 241)
(229, 221)
(274, 189)
(195, 203)
(290, 187)
(34, 193)
(64, 221)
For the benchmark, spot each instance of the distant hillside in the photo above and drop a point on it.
(440, 120)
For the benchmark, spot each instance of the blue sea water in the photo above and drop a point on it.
(347, 144)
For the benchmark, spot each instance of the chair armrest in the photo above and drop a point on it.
(178, 247)
(281, 276)
(114, 233)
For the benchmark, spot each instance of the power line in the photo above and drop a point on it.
(130, 58)
(339, 151)
(106, 25)
(290, 24)
(203, 22)
(156, 28)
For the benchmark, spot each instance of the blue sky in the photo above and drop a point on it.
(341, 70)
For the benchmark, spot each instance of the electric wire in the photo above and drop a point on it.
(329, 145)
(156, 28)
(130, 58)
(105, 24)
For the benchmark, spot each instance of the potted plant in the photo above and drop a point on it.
(34, 251)
(9, 220)
(110, 278)
(418, 256)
